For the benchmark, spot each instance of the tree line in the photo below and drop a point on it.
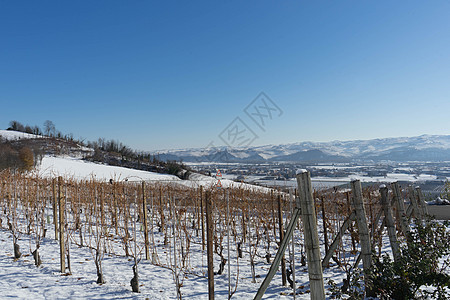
(112, 151)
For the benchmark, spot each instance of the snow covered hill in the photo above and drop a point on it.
(76, 168)
(11, 135)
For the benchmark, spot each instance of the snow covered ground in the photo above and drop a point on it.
(22, 279)
(16, 135)
(76, 168)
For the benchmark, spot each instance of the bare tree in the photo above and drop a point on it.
(49, 128)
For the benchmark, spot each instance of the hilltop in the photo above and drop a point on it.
(54, 157)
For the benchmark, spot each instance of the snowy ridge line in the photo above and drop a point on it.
(11, 135)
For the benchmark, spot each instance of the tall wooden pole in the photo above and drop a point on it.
(228, 243)
(389, 222)
(421, 202)
(308, 214)
(55, 208)
(209, 245)
(202, 218)
(116, 226)
(363, 229)
(416, 210)
(144, 214)
(292, 259)
(324, 224)
(62, 249)
(400, 205)
(280, 226)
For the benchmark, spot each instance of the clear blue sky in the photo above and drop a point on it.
(166, 74)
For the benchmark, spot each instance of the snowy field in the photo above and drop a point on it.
(22, 279)
(78, 169)
(16, 135)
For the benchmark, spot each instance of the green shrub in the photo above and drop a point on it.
(420, 272)
(416, 274)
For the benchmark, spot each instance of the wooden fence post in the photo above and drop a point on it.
(209, 245)
(363, 229)
(389, 222)
(400, 205)
(116, 226)
(312, 245)
(421, 202)
(62, 248)
(292, 257)
(324, 224)
(416, 211)
(280, 225)
(349, 209)
(55, 209)
(202, 218)
(144, 208)
(161, 213)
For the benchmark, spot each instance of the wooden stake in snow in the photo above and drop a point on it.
(363, 229)
(202, 218)
(416, 211)
(312, 245)
(228, 243)
(144, 209)
(400, 205)
(61, 204)
(280, 226)
(292, 256)
(324, 223)
(421, 202)
(55, 209)
(209, 245)
(389, 222)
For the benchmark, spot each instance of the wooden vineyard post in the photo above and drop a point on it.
(102, 210)
(312, 245)
(415, 206)
(324, 223)
(363, 230)
(292, 257)
(55, 208)
(349, 209)
(62, 248)
(421, 202)
(161, 212)
(198, 214)
(400, 205)
(209, 245)
(228, 243)
(116, 226)
(280, 224)
(202, 218)
(389, 222)
(144, 214)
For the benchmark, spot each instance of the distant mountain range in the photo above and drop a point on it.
(419, 148)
